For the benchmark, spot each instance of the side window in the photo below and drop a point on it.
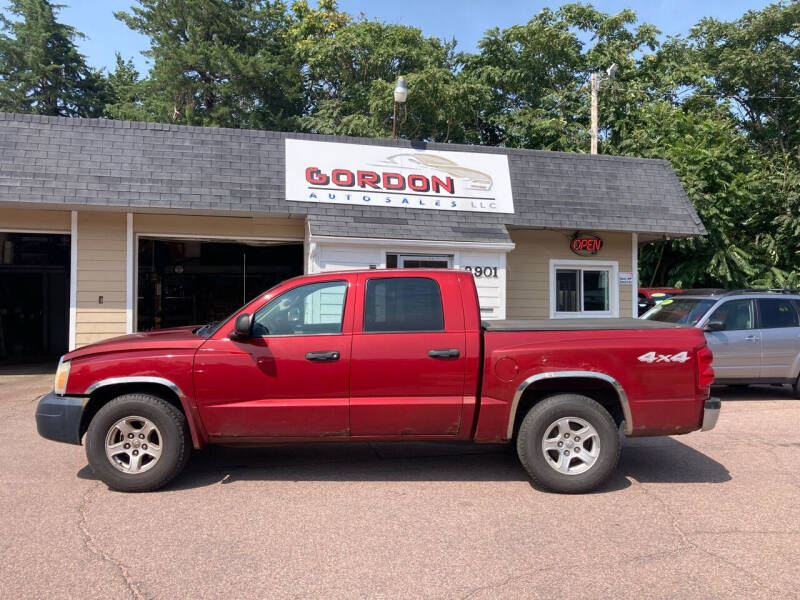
(583, 290)
(311, 309)
(777, 313)
(396, 304)
(735, 314)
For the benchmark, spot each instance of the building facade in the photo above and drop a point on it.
(111, 227)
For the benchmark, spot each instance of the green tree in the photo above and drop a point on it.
(538, 75)
(41, 70)
(351, 75)
(129, 97)
(720, 173)
(754, 62)
(230, 63)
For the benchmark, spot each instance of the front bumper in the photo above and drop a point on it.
(58, 418)
(711, 413)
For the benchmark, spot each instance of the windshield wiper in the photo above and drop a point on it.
(206, 329)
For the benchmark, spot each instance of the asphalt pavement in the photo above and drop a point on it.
(706, 515)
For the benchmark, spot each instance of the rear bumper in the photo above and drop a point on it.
(711, 413)
(58, 418)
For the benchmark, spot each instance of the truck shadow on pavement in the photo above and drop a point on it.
(646, 460)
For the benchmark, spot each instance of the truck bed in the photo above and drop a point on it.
(576, 324)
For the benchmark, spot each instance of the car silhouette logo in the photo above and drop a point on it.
(476, 180)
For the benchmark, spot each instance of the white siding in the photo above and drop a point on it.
(337, 256)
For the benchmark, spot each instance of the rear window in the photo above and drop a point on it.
(774, 314)
(402, 304)
(683, 310)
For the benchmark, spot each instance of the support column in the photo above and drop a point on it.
(73, 278)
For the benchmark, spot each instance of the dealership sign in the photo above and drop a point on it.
(397, 177)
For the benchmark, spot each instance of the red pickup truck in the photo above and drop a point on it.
(380, 355)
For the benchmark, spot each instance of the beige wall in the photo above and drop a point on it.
(31, 220)
(101, 272)
(102, 258)
(528, 269)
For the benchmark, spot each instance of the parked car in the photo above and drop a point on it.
(649, 297)
(380, 355)
(754, 334)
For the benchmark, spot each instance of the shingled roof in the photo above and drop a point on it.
(75, 163)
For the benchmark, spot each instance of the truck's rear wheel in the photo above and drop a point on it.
(137, 443)
(568, 443)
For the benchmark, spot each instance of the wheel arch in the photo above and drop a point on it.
(603, 388)
(101, 392)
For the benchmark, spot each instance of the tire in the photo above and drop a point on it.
(796, 387)
(564, 469)
(142, 425)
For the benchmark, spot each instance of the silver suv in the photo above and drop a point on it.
(754, 334)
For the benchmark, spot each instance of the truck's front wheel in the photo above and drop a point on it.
(137, 443)
(568, 443)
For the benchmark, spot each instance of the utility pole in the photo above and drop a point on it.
(595, 87)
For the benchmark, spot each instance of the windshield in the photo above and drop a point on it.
(679, 310)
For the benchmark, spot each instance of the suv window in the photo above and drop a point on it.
(403, 304)
(311, 309)
(776, 313)
(735, 314)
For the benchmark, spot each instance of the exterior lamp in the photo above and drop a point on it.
(400, 95)
(596, 80)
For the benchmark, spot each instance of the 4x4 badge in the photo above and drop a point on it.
(652, 357)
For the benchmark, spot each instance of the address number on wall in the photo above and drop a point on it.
(485, 272)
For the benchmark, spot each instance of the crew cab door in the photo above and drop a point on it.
(290, 377)
(408, 357)
(737, 349)
(779, 325)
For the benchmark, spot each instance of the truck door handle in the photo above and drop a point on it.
(752, 338)
(444, 353)
(322, 356)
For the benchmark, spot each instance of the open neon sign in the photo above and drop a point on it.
(586, 244)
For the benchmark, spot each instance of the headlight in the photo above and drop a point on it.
(62, 374)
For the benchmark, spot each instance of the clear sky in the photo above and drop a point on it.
(464, 20)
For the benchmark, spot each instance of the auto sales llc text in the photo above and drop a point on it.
(406, 201)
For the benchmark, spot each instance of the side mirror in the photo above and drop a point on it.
(242, 326)
(714, 326)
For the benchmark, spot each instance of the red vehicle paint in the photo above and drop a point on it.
(465, 381)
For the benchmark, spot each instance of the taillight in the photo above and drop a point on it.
(705, 372)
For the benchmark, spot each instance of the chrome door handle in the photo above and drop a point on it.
(752, 338)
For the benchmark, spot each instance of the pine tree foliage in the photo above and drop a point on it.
(41, 70)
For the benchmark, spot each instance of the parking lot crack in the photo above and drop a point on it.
(687, 541)
(93, 547)
(660, 555)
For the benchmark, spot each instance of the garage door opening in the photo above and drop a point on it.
(190, 282)
(34, 296)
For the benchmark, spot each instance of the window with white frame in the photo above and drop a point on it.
(418, 261)
(583, 289)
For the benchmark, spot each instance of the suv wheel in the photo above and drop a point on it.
(137, 443)
(568, 443)
(797, 387)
